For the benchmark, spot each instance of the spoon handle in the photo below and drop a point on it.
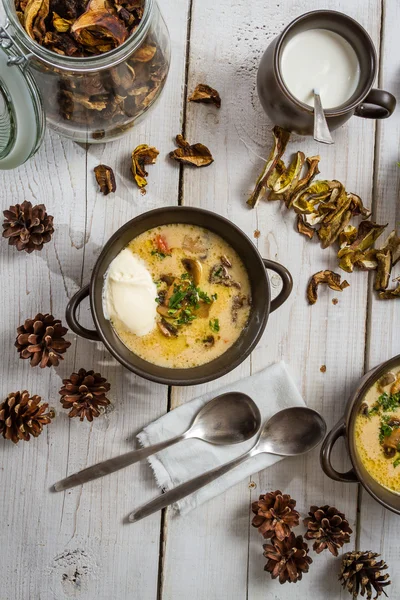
(185, 489)
(114, 464)
(321, 129)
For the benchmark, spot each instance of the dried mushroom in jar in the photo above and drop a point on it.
(104, 102)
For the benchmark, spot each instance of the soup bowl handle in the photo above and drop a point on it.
(70, 314)
(379, 104)
(287, 283)
(326, 450)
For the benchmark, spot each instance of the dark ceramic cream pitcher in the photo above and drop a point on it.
(286, 110)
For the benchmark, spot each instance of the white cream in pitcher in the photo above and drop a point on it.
(130, 293)
(323, 59)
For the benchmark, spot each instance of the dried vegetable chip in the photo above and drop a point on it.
(196, 155)
(281, 138)
(205, 93)
(141, 156)
(327, 277)
(105, 178)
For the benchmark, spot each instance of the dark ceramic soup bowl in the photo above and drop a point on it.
(256, 267)
(345, 428)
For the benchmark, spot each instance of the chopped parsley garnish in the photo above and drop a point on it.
(385, 403)
(185, 300)
(160, 255)
(396, 463)
(385, 429)
(185, 317)
(204, 296)
(176, 299)
(214, 325)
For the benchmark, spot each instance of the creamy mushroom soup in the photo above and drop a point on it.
(178, 296)
(377, 431)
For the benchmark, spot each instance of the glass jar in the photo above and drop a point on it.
(91, 99)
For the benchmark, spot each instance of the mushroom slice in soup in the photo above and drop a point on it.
(167, 329)
(391, 442)
(194, 268)
(219, 275)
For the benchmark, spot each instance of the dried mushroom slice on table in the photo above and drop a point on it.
(205, 93)
(141, 156)
(196, 155)
(281, 138)
(304, 228)
(288, 179)
(105, 178)
(390, 294)
(384, 268)
(312, 170)
(327, 277)
(356, 253)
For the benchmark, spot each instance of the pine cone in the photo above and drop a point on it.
(328, 527)
(287, 559)
(27, 227)
(41, 339)
(84, 393)
(22, 416)
(361, 573)
(275, 514)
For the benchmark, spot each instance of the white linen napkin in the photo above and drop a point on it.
(271, 389)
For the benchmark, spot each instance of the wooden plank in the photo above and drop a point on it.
(378, 526)
(75, 544)
(225, 51)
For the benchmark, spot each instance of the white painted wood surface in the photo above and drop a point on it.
(75, 546)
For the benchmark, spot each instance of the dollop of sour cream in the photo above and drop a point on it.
(130, 293)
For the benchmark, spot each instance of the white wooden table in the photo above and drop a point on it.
(56, 546)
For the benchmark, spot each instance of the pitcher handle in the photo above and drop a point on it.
(378, 104)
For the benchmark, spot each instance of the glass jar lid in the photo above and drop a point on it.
(22, 120)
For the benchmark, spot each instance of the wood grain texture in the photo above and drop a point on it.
(378, 526)
(226, 57)
(74, 544)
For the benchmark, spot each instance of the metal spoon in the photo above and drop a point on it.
(230, 418)
(289, 432)
(321, 129)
